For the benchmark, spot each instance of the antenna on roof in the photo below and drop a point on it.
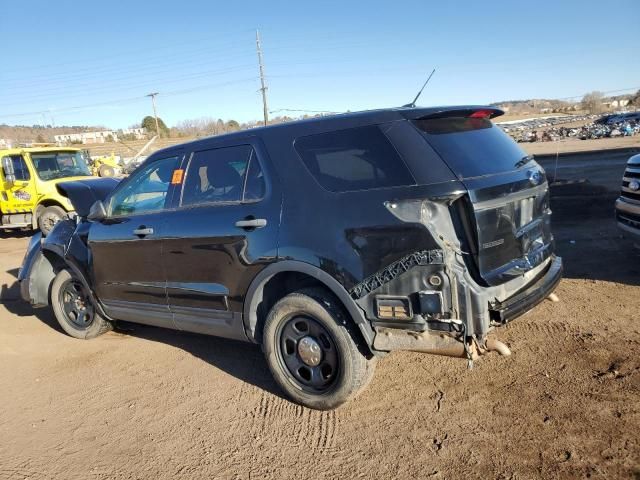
(413, 104)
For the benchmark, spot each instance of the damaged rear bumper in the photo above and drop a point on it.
(523, 301)
(483, 308)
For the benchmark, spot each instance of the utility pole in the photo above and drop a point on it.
(263, 89)
(155, 113)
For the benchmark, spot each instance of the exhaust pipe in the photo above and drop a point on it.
(495, 345)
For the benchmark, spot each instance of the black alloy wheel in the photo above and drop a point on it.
(75, 304)
(313, 350)
(74, 309)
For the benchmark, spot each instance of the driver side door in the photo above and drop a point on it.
(19, 197)
(126, 247)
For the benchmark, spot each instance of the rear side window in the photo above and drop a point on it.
(471, 147)
(354, 159)
(229, 174)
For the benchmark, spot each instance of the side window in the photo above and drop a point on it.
(146, 191)
(229, 174)
(355, 159)
(20, 168)
(254, 186)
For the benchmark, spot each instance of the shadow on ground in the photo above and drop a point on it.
(15, 233)
(244, 361)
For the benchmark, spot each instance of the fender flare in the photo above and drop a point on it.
(255, 294)
(69, 263)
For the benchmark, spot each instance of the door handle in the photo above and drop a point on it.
(143, 231)
(252, 223)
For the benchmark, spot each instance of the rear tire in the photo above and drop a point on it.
(73, 308)
(49, 217)
(106, 171)
(311, 351)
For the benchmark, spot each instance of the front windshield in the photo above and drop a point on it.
(53, 165)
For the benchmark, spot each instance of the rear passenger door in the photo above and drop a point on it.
(221, 233)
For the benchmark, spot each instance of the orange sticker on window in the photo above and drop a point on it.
(177, 177)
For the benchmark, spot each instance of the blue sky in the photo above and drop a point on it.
(93, 62)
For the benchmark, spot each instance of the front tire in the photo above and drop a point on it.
(73, 308)
(311, 352)
(48, 219)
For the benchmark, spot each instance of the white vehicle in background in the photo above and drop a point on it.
(628, 204)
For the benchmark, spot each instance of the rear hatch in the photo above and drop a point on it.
(505, 216)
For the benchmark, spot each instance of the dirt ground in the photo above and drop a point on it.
(146, 403)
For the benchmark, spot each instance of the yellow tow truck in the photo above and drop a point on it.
(28, 178)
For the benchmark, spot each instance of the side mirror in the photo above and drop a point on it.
(97, 212)
(9, 172)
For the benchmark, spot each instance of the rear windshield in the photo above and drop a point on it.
(472, 147)
(353, 159)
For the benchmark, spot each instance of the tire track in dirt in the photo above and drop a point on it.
(293, 425)
(19, 471)
(536, 328)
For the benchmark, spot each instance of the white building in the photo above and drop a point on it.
(139, 133)
(87, 137)
(617, 103)
(99, 137)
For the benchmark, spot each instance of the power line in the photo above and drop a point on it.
(116, 72)
(150, 82)
(136, 52)
(604, 93)
(127, 100)
(161, 60)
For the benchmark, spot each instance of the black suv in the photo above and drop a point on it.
(329, 241)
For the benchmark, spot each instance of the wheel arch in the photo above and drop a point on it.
(303, 275)
(56, 261)
(42, 204)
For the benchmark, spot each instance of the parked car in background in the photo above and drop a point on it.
(628, 205)
(330, 242)
(28, 180)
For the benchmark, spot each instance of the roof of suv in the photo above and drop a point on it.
(363, 117)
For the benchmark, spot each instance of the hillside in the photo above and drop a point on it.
(40, 133)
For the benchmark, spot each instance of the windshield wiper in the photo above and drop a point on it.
(523, 161)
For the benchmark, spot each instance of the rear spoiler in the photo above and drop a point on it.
(483, 112)
(473, 111)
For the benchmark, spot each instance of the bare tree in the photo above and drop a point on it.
(592, 102)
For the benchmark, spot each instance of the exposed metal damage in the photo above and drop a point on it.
(425, 257)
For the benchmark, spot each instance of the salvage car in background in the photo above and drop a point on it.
(329, 241)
